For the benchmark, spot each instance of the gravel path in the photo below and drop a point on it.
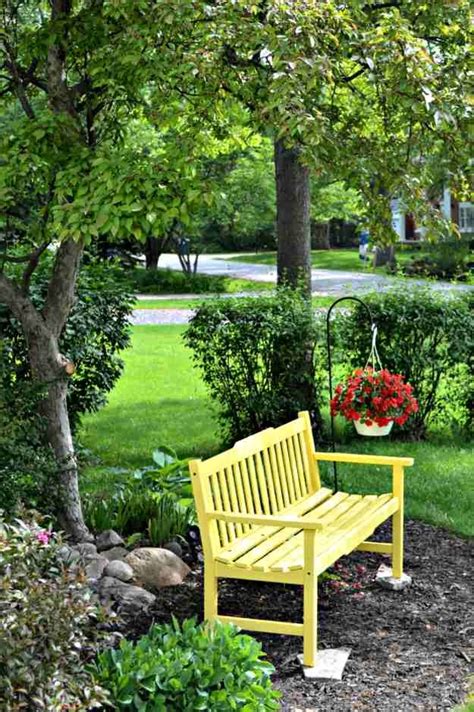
(161, 316)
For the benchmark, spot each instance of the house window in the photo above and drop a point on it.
(466, 217)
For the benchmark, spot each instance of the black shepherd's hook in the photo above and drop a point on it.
(328, 343)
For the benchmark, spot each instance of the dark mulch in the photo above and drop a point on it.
(411, 650)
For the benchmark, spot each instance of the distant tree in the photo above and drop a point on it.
(366, 91)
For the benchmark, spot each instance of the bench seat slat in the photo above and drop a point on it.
(336, 537)
(278, 558)
(276, 549)
(244, 544)
(274, 536)
(285, 537)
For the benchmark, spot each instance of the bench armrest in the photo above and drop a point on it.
(363, 459)
(265, 520)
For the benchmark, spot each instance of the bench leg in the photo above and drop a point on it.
(210, 593)
(310, 619)
(397, 542)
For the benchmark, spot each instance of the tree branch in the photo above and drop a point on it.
(31, 266)
(62, 285)
(20, 306)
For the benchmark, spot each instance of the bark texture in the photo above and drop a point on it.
(293, 218)
(49, 368)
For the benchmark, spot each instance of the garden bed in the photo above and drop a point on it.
(410, 650)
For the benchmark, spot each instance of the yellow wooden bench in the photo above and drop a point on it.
(263, 515)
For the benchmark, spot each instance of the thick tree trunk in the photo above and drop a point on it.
(152, 252)
(293, 218)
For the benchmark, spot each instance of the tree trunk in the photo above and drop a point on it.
(50, 368)
(293, 218)
(320, 236)
(152, 252)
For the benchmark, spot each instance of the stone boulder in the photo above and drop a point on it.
(95, 567)
(131, 600)
(86, 550)
(108, 539)
(117, 553)
(156, 568)
(119, 569)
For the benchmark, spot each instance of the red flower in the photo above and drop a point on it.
(371, 396)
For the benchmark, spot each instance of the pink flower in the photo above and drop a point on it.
(43, 537)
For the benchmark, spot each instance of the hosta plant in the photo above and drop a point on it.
(374, 397)
(188, 667)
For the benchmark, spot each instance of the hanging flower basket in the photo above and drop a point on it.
(374, 400)
(373, 430)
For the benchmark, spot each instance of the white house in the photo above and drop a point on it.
(462, 214)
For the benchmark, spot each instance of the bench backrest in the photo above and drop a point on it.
(263, 474)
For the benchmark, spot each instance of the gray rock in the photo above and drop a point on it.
(86, 550)
(119, 570)
(130, 600)
(156, 568)
(108, 539)
(174, 547)
(68, 555)
(95, 567)
(385, 579)
(117, 553)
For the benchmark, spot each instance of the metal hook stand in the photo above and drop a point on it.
(328, 345)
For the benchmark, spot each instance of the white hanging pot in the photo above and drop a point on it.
(374, 430)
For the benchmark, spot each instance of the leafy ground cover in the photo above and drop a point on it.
(161, 400)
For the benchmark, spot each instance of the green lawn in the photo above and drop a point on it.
(324, 259)
(161, 400)
(195, 302)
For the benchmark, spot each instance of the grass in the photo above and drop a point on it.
(193, 303)
(340, 259)
(325, 259)
(161, 400)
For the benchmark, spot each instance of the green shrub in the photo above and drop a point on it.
(256, 357)
(48, 626)
(446, 259)
(96, 331)
(193, 667)
(427, 337)
(27, 468)
(167, 281)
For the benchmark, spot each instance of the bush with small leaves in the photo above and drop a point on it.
(256, 357)
(188, 667)
(97, 330)
(167, 281)
(424, 335)
(27, 469)
(49, 625)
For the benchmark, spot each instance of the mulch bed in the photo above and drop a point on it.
(411, 650)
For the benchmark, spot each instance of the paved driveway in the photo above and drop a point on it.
(336, 283)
